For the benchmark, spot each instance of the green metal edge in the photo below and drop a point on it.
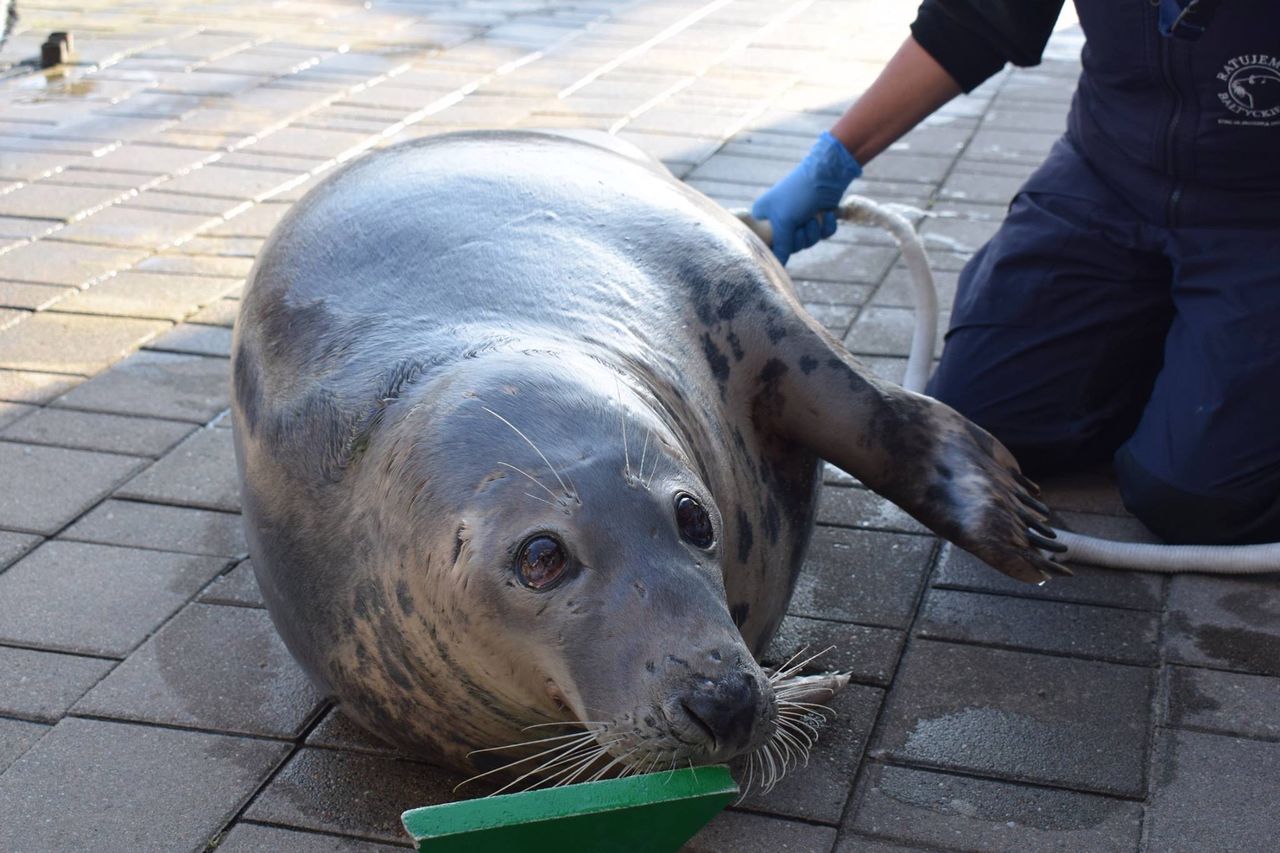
(449, 819)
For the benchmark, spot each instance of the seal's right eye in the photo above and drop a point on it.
(541, 562)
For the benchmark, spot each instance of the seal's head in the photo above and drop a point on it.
(564, 565)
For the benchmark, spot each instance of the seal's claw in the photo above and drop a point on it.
(1036, 524)
(1046, 544)
(1038, 505)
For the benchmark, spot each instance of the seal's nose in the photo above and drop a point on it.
(726, 708)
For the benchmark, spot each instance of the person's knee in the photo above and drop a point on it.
(1180, 515)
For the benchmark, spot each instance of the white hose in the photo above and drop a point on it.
(1213, 559)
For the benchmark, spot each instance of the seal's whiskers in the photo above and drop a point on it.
(541, 485)
(626, 451)
(567, 493)
(564, 745)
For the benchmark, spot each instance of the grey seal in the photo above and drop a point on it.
(530, 433)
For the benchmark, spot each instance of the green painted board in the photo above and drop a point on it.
(653, 813)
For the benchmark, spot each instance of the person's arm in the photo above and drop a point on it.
(911, 86)
(954, 46)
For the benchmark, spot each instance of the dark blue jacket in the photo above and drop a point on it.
(1187, 131)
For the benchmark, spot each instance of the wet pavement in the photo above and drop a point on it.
(146, 703)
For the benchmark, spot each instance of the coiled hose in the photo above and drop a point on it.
(1213, 559)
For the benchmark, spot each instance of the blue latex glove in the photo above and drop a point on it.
(801, 206)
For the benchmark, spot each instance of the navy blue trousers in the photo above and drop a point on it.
(1082, 332)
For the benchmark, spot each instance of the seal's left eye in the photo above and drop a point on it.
(695, 524)
(541, 562)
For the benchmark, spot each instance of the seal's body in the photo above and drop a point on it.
(529, 431)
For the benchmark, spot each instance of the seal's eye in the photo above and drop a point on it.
(695, 524)
(542, 562)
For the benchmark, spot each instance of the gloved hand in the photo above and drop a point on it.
(795, 205)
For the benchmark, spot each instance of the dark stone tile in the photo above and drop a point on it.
(337, 731)
(16, 737)
(832, 261)
(920, 807)
(259, 838)
(1213, 793)
(1024, 717)
(94, 599)
(124, 787)
(1225, 622)
(167, 528)
(43, 685)
(862, 576)
(870, 654)
(818, 789)
(1102, 633)
(157, 384)
(842, 507)
(199, 472)
(1226, 702)
(741, 832)
(56, 484)
(1092, 491)
(210, 667)
(350, 793)
(93, 431)
(959, 569)
(238, 586)
(14, 545)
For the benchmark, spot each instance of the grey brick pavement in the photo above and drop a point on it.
(145, 703)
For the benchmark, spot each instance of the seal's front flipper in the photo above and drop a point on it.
(950, 474)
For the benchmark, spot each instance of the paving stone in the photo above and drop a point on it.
(14, 545)
(31, 386)
(157, 384)
(869, 654)
(1228, 623)
(56, 484)
(819, 789)
(90, 431)
(16, 737)
(94, 599)
(24, 228)
(238, 587)
(148, 295)
(966, 185)
(350, 793)
(1023, 717)
(73, 264)
(10, 412)
(72, 343)
(832, 261)
(1213, 793)
(1078, 630)
(1224, 702)
(259, 838)
(43, 685)
(741, 832)
(862, 508)
(196, 340)
(221, 313)
(939, 810)
(229, 182)
(832, 292)
(200, 472)
(336, 731)
(132, 225)
(165, 528)
(198, 265)
(862, 576)
(128, 787)
(897, 288)
(881, 330)
(210, 667)
(50, 201)
(1092, 491)
(959, 569)
(31, 297)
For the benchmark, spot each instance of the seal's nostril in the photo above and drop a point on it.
(724, 709)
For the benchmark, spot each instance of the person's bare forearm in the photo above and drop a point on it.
(911, 86)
